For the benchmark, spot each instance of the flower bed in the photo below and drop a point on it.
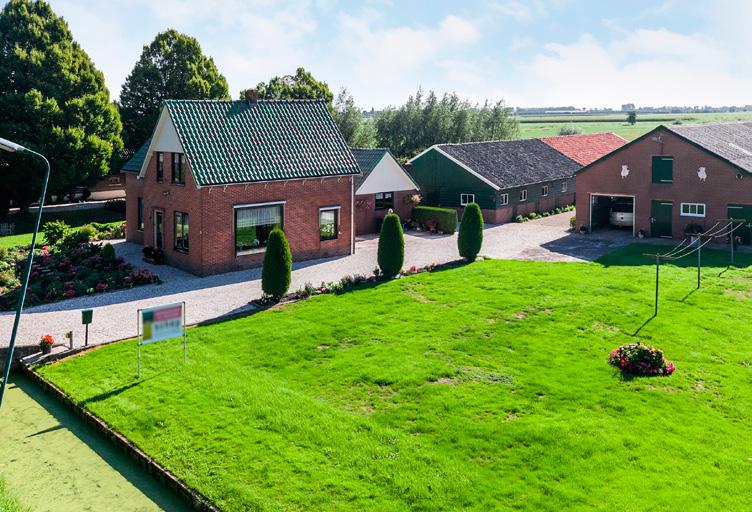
(65, 271)
(539, 215)
(640, 359)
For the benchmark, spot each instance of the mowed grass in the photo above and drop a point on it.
(483, 387)
(547, 126)
(24, 223)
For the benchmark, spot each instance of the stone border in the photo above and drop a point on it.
(195, 500)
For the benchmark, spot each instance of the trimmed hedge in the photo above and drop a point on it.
(445, 218)
(470, 238)
(391, 255)
(276, 274)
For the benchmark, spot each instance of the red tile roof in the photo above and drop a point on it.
(585, 148)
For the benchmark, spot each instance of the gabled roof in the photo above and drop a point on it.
(730, 141)
(368, 159)
(510, 163)
(585, 148)
(229, 142)
(135, 162)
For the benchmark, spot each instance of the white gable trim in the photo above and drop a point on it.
(165, 138)
(450, 157)
(387, 176)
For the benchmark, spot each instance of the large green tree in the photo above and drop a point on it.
(53, 100)
(427, 119)
(300, 86)
(358, 131)
(171, 67)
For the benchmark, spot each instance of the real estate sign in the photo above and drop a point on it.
(162, 322)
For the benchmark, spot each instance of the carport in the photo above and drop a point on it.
(600, 210)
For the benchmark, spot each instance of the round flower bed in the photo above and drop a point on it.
(640, 359)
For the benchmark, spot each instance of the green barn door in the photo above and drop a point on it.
(742, 213)
(660, 218)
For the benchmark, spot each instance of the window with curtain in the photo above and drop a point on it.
(160, 166)
(181, 231)
(140, 220)
(178, 168)
(253, 225)
(328, 223)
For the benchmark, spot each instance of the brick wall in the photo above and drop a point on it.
(211, 217)
(368, 218)
(721, 188)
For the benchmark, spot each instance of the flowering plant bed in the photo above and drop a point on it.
(46, 342)
(640, 359)
(65, 271)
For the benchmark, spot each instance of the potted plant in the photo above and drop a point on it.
(45, 343)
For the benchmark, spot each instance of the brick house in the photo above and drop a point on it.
(217, 176)
(507, 177)
(673, 176)
(382, 185)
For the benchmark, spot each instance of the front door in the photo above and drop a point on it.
(743, 214)
(158, 229)
(660, 218)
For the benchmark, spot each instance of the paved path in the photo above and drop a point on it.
(209, 297)
(52, 461)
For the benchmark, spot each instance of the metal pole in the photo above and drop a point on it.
(138, 341)
(657, 270)
(86, 339)
(699, 261)
(732, 247)
(27, 274)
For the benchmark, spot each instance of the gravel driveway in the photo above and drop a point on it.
(210, 297)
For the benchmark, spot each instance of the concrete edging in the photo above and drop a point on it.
(194, 499)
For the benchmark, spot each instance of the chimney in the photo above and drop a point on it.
(251, 96)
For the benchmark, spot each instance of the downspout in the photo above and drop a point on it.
(352, 215)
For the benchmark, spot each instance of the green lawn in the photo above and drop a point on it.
(25, 223)
(8, 502)
(546, 126)
(483, 387)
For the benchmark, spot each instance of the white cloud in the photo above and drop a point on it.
(647, 67)
(519, 11)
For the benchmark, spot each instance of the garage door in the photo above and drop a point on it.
(661, 213)
(742, 213)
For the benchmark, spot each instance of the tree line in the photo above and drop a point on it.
(53, 99)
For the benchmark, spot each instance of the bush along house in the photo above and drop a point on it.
(672, 180)
(383, 185)
(218, 176)
(507, 178)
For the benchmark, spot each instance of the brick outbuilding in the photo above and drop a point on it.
(217, 176)
(678, 178)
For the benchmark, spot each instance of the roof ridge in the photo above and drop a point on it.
(291, 100)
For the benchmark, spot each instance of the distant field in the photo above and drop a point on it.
(546, 126)
(24, 224)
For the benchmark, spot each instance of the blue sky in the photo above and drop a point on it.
(529, 53)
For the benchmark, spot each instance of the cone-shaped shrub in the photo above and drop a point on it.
(276, 273)
(391, 246)
(470, 238)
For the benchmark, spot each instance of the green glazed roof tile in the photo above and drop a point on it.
(238, 142)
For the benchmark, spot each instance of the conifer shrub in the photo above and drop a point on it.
(470, 238)
(391, 253)
(276, 273)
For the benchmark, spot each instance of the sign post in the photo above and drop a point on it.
(86, 317)
(161, 323)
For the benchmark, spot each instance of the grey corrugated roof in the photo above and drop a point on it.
(136, 161)
(730, 141)
(513, 163)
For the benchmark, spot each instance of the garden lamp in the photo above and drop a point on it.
(12, 147)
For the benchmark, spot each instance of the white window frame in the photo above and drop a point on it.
(544, 190)
(465, 202)
(503, 199)
(335, 209)
(689, 210)
(523, 195)
(564, 186)
(234, 225)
